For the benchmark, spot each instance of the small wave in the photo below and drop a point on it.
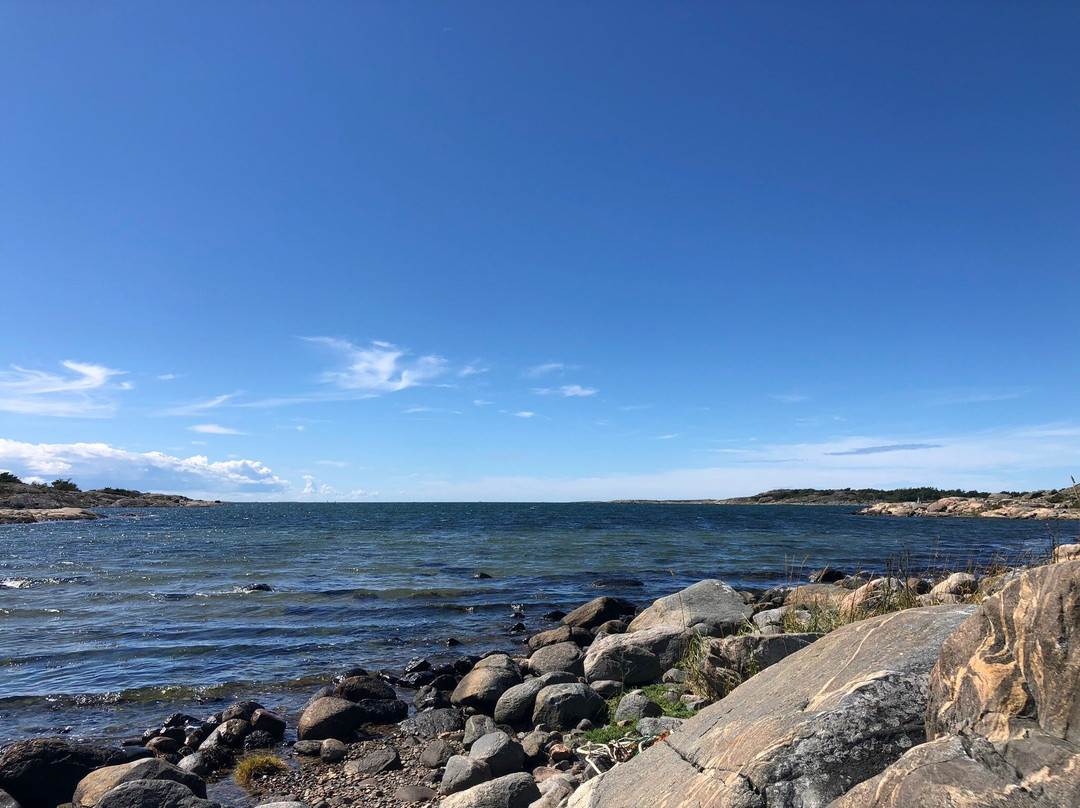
(28, 583)
(404, 592)
(172, 694)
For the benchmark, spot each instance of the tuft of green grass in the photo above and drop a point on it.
(608, 733)
(256, 767)
(674, 709)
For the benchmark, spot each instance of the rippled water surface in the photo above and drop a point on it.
(106, 626)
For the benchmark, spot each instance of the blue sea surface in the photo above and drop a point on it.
(107, 626)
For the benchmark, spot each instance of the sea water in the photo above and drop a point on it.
(108, 626)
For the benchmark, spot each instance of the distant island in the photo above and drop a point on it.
(923, 501)
(63, 500)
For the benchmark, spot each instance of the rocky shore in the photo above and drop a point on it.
(846, 691)
(1041, 505)
(25, 503)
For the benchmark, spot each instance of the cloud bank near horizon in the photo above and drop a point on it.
(993, 460)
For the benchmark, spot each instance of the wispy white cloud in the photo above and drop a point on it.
(525, 414)
(977, 396)
(479, 402)
(667, 437)
(335, 463)
(567, 391)
(379, 368)
(632, 407)
(789, 398)
(472, 370)
(93, 465)
(167, 377)
(199, 407)
(892, 447)
(85, 391)
(537, 371)
(214, 429)
(412, 410)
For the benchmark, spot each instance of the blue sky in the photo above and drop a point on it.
(546, 251)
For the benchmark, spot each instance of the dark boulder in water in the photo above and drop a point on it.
(44, 772)
(258, 588)
(483, 576)
(358, 688)
(615, 583)
(597, 611)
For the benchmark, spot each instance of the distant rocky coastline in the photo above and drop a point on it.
(1047, 504)
(26, 503)
(846, 691)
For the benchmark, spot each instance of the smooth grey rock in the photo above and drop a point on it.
(332, 751)
(481, 687)
(710, 607)
(512, 791)
(377, 762)
(561, 707)
(562, 656)
(8, 801)
(579, 636)
(598, 611)
(153, 794)
(363, 688)
(502, 754)
(515, 706)
(476, 727)
(98, 782)
(308, 748)
(636, 704)
(436, 753)
(463, 773)
(330, 717)
(774, 617)
(800, 733)
(638, 657)
(229, 734)
(432, 723)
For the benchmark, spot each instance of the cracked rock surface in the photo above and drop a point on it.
(802, 732)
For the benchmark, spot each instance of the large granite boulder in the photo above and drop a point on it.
(44, 772)
(98, 782)
(800, 733)
(153, 794)
(432, 723)
(709, 607)
(1003, 707)
(638, 657)
(598, 611)
(512, 791)
(579, 636)
(481, 687)
(500, 752)
(330, 717)
(562, 707)
(1018, 658)
(562, 656)
(515, 705)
